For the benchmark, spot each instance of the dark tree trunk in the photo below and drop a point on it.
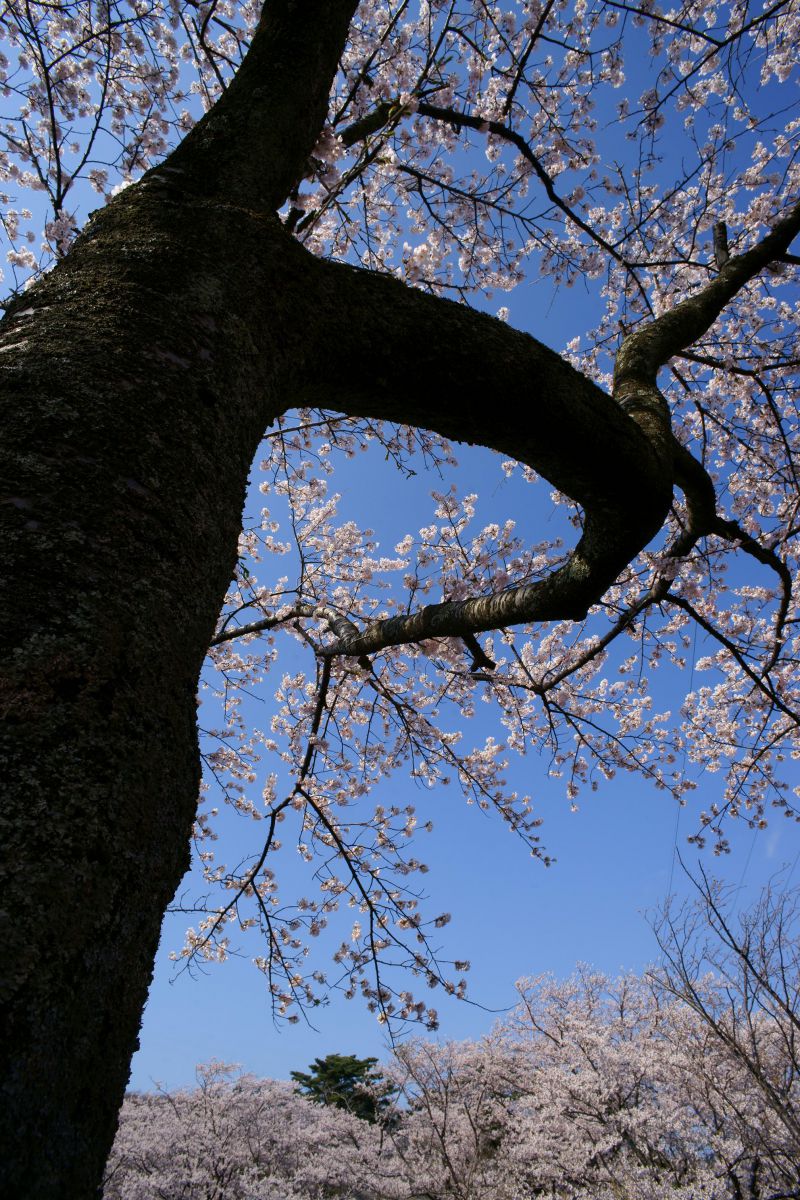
(137, 379)
(134, 400)
(136, 382)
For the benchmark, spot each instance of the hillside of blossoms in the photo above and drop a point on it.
(678, 1083)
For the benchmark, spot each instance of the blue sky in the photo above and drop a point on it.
(511, 915)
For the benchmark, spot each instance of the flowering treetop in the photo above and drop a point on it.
(649, 153)
(677, 1083)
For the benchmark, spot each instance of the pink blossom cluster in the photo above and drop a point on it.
(676, 1084)
(470, 145)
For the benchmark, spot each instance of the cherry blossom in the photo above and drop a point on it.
(637, 153)
(678, 1083)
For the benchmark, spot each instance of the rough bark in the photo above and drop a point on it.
(134, 399)
(137, 380)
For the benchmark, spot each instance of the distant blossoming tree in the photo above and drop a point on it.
(295, 196)
(678, 1084)
(236, 1137)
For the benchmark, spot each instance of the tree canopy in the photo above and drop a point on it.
(671, 1085)
(302, 202)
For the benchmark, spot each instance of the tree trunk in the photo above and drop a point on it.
(136, 380)
(134, 399)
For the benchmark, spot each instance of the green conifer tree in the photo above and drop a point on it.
(345, 1081)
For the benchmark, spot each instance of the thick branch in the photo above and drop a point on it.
(472, 378)
(397, 353)
(648, 348)
(253, 145)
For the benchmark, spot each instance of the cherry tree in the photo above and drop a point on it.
(605, 1088)
(677, 1083)
(294, 199)
(236, 1136)
(736, 980)
(613, 1108)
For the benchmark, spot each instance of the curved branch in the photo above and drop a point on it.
(474, 379)
(470, 375)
